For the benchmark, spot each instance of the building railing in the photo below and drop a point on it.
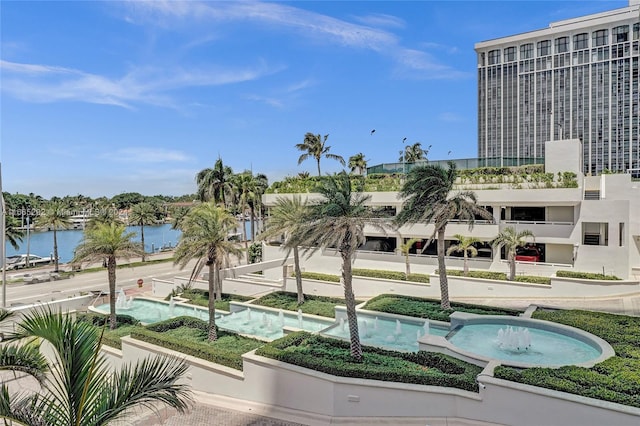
(535, 222)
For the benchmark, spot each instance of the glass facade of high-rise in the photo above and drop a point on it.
(577, 79)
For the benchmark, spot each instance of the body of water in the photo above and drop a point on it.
(41, 242)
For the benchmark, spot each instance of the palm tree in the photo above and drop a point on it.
(314, 145)
(358, 163)
(288, 216)
(413, 153)
(104, 216)
(245, 186)
(429, 198)
(142, 214)
(214, 184)
(55, 216)
(511, 240)
(107, 242)
(204, 237)
(79, 386)
(404, 250)
(13, 233)
(338, 220)
(465, 245)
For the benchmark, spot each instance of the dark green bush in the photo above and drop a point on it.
(586, 275)
(99, 319)
(533, 279)
(500, 276)
(333, 356)
(428, 308)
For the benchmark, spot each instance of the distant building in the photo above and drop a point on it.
(577, 79)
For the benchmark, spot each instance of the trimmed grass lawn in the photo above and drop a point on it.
(428, 308)
(200, 297)
(334, 357)
(315, 305)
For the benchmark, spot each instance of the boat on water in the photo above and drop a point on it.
(19, 261)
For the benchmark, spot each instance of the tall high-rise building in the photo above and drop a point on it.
(577, 79)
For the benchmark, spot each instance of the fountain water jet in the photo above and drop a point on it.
(300, 318)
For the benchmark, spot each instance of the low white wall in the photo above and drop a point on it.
(316, 394)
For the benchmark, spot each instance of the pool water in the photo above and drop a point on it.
(269, 324)
(150, 311)
(546, 348)
(253, 321)
(386, 332)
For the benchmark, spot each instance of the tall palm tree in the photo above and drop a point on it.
(214, 184)
(204, 237)
(465, 245)
(338, 220)
(357, 163)
(404, 250)
(429, 197)
(314, 146)
(511, 240)
(107, 242)
(245, 186)
(142, 214)
(78, 386)
(13, 231)
(288, 217)
(55, 216)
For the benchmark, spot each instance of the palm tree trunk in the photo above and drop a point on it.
(213, 277)
(253, 222)
(354, 336)
(318, 160)
(512, 267)
(442, 271)
(111, 273)
(218, 283)
(296, 265)
(142, 239)
(244, 234)
(407, 266)
(55, 250)
(465, 268)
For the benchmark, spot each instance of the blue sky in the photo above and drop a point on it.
(100, 98)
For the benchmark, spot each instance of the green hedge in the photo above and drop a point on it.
(616, 379)
(371, 273)
(188, 335)
(499, 276)
(586, 276)
(321, 277)
(332, 356)
(125, 324)
(428, 308)
(200, 297)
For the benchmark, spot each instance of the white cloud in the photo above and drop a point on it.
(450, 117)
(314, 25)
(381, 20)
(44, 83)
(146, 155)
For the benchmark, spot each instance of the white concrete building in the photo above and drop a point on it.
(577, 79)
(592, 228)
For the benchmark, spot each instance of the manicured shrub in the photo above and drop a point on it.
(533, 279)
(332, 356)
(371, 273)
(586, 275)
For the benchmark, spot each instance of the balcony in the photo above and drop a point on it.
(541, 229)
